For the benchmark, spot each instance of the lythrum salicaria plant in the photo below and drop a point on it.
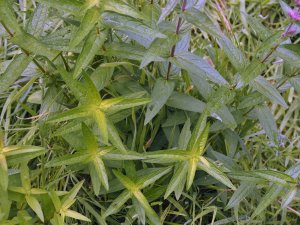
(149, 112)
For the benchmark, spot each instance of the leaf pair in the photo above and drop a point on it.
(92, 105)
(133, 190)
(189, 159)
(93, 157)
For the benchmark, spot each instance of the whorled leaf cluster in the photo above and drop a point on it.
(124, 105)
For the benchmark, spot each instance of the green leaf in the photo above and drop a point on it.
(101, 77)
(166, 156)
(260, 30)
(271, 43)
(35, 205)
(167, 10)
(275, 177)
(161, 92)
(7, 16)
(76, 215)
(214, 171)
(267, 121)
(201, 20)
(245, 189)
(91, 17)
(270, 197)
(14, 71)
(254, 69)
(119, 155)
(196, 65)
(185, 102)
(201, 141)
(32, 45)
(89, 139)
(129, 184)
(122, 8)
(69, 198)
(67, 160)
(289, 197)
(101, 121)
(70, 6)
(91, 46)
(124, 102)
(78, 112)
(128, 24)
(22, 153)
(36, 24)
(76, 87)
(101, 172)
(116, 205)
(3, 173)
(268, 90)
(151, 176)
(191, 172)
(199, 128)
(289, 55)
(185, 135)
(150, 213)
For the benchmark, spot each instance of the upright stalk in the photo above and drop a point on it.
(179, 23)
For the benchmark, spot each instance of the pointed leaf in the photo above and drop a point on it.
(245, 189)
(91, 46)
(268, 90)
(214, 171)
(76, 215)
(101, 121)
(35, 205)
(196, 65)
(86, 25)
(66, 160)
(116, 205)
(167, 10)
(14, 71)
(78, 112)
(160, 94)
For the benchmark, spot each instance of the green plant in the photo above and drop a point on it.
(123, 105)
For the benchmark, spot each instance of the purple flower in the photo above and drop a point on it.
(288, 33)
(294, 14)
(297, 2)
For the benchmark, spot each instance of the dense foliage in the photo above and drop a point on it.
(149, 112)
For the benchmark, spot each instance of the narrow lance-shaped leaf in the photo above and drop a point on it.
(87, 24)
(267, 121)
(37, 21)
(69, 198)
(35, 205)
(3, 172)
(101, 121)
(243, 191)
(178, 177)
(76, 215)
(32, 45)
(122, 8)
(78, 112)
(196, 65)
(265, 88)
(14, 71)
(160, 94)
(70, 6)
(22, 153)
(167, 10)
(201, 20)
(214, 171)
(7, 16)
(91, 46)
(101, 172)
